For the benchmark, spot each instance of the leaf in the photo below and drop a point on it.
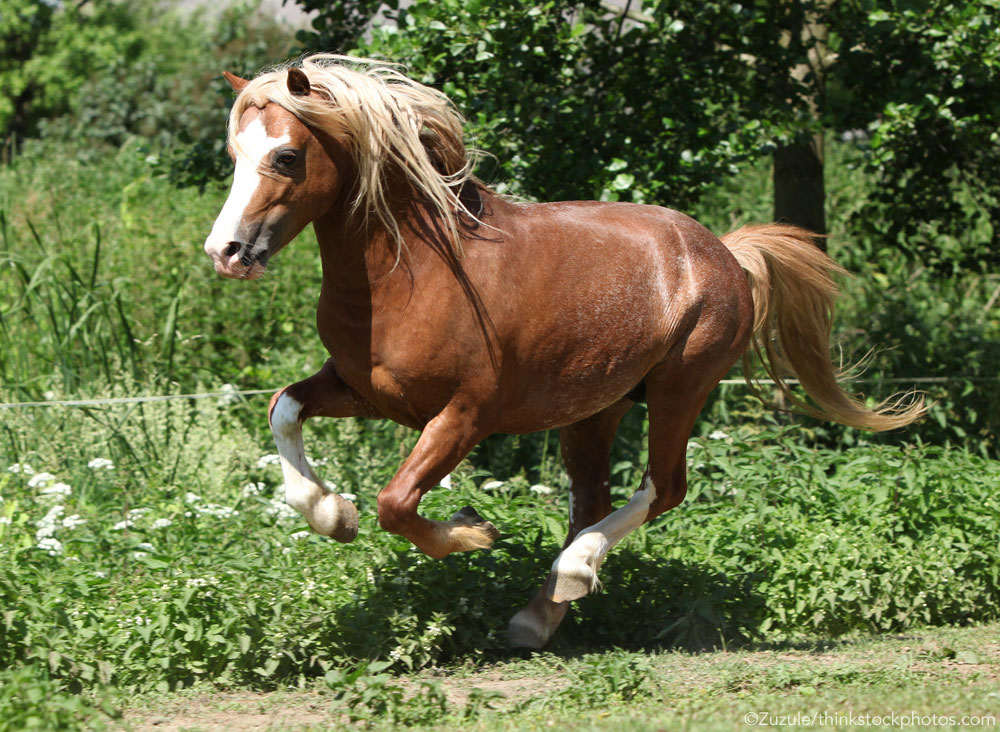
(623, 181)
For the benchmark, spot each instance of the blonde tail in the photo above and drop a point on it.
(793, 294)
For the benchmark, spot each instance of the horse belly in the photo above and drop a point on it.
(581, 368)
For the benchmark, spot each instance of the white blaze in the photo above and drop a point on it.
(252, 146)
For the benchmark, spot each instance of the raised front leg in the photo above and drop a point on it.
(444, 442)
(586, 453)
(322, 394)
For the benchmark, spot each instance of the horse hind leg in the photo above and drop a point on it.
(674, 404)
(586, 453)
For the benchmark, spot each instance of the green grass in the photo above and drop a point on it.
(155, 575)
(177, 572)
(951, 673)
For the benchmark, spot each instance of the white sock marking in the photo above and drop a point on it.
(304, 491)
(592, 544)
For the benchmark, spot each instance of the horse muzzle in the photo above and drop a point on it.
(238, 260)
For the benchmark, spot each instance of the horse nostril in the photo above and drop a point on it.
(232, 248)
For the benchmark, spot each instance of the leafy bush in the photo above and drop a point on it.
(167, 569)
(31, 700)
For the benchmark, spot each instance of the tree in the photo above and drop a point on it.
(579, 100)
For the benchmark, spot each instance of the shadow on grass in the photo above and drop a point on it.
(645, 603)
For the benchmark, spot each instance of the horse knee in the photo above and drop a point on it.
(391, 513)
(284, 411)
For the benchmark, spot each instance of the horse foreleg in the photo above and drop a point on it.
(586, 453)
(322, 394)
(444, 442)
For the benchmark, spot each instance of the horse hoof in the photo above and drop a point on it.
(524, 631)
(469, 516)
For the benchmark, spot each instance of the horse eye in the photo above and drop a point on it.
(285, 159)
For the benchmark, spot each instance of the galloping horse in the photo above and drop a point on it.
(458, 312)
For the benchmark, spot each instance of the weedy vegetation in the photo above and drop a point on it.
(145, 549)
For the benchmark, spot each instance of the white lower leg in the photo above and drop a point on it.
(326, 512)
(575, 570)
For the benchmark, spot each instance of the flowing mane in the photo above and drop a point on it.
(387, 121)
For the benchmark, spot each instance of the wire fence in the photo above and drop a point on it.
(240, 393)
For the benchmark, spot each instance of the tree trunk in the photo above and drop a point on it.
(799, 194)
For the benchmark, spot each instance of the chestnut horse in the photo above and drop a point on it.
(458, 312)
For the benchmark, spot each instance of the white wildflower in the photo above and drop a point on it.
(229, 394)
(191, 497)
(446, 482)
(138, 555)
(197, 582)
(146, 546)
(57, 489)
(349, 497)
(4, 519)
(136, 513)
(162, 523)
(253, 489)
(270, 459)
(40, 480)
(48, 524)
(51, 545)
(542, 490)
(718, 435)
(100, 574)
(20, 468)
(214, 509)
(492, 485)
(101, 464)
(298, 535)
(71, 522)
(122, 525)
(279, 508)
(317, 463)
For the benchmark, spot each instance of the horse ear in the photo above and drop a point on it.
(298, 83)
(236, 82)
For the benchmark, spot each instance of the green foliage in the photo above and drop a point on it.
(49, 50)
(171, 568)
(371, 696)
(933, 68)
(31, 700)
(579, 102)
(570, 100)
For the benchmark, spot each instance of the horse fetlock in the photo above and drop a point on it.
(467, 537)
(469, 517)
(335, 517)
(572, 583)
(574, 573)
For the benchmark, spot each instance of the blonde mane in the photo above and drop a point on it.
(387, 120)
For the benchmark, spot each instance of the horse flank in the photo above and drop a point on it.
(386, 120)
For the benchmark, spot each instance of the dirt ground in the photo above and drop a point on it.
(951, 657)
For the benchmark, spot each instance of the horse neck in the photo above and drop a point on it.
(359, 257)
(352, 258)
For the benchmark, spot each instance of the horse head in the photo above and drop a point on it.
(285, 178)
(346, 135)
